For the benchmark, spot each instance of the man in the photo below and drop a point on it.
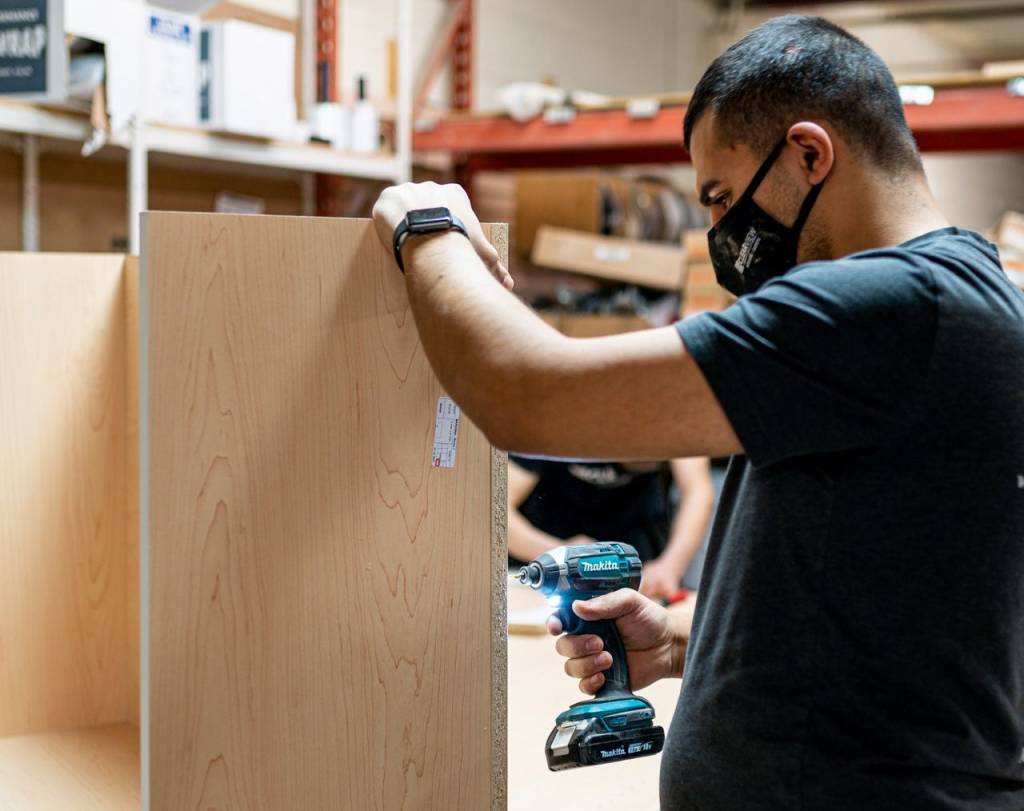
(551, 502)
(860, 638)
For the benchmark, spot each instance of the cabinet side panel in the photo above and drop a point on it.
(320, 593)
(66, 547)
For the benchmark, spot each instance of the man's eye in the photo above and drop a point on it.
(720, 200)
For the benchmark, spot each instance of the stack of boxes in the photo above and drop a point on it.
(701, 292)
(232, 69)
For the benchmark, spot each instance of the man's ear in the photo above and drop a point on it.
(817, 153)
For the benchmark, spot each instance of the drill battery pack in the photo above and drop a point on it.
(594, 732)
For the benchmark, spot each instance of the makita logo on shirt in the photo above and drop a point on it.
(747, 250)
(602, 566)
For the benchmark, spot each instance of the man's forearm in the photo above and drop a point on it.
(473, 330)
(688, 529)
(525, 541)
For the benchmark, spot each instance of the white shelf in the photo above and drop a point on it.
(300, 157)
(27, 119)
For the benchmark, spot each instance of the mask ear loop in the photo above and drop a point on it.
(755, 181)
(805, 209)
(764, 168)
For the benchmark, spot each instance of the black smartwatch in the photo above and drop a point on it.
(425, 221)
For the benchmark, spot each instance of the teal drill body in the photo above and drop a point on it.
(615, 724)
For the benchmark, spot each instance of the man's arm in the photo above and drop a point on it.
(693, 477)
(531, 389)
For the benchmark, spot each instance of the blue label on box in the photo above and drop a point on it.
(169, 28)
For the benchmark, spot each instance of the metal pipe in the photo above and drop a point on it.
(403, 105)
(30, 193)
(138, 184)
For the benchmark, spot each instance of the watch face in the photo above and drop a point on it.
(429, 219)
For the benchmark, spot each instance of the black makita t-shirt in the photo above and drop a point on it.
(859, 642)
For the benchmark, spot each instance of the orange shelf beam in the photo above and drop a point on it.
(965, 118)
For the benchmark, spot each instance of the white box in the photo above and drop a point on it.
(171, 68)
(117, 24)
(247, 79)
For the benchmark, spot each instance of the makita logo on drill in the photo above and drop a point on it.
(606, 565)
(617, 752)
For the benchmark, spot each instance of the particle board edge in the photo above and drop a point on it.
(499, 597)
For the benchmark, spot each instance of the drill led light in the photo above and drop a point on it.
(554, 600)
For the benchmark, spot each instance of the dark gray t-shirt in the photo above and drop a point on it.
(859, 641)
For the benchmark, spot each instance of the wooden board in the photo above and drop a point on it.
(623, 260)
(85, 770)
(321, 597)
(67, 538)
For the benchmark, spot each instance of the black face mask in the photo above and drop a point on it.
(749, 246)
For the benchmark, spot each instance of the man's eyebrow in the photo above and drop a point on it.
(705, 191)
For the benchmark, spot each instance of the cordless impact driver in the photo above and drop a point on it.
(615, 724)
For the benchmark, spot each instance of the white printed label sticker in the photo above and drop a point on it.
(446, 433)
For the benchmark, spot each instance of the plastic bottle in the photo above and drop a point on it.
(365, 122)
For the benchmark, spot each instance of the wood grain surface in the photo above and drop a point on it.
(82, 770)
(67, 538)
(321, 597)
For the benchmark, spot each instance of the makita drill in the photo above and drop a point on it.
(615, 724)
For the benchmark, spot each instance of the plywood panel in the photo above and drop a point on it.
(321, 596)
(84, 770)
(67, 541)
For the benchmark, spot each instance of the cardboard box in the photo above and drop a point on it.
(701, 293)
(228, 10)
(171, 68)
(247, 79)
(572, 200)
(119, 25)
(1009, 238)
(643, 263)
(594, 325)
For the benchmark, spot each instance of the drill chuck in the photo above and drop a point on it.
(531, 575)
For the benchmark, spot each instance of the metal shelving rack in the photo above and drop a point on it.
(34, 122)
(968, 113)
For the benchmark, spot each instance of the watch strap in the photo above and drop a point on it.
(404, 230)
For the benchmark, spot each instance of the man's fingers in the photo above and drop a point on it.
(607, 606)
(574, 646)
(587, 666)
(593, 684)
(554, 625)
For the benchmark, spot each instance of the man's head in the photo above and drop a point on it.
(807, 80)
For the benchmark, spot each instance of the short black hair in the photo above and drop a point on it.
(794, 68)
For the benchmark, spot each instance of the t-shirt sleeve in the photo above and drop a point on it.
(827, 358)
